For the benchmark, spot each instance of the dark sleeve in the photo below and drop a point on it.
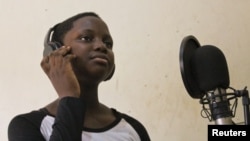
(140, 129)
(67, 127)
(69, 120)
(26, 127)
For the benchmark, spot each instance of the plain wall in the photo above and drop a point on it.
(147, 34)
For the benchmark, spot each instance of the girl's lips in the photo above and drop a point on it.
(101, 60)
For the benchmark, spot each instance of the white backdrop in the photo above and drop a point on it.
(147, 35)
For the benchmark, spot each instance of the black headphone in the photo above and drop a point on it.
(50, 46)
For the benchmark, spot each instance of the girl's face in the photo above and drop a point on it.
(92, 44)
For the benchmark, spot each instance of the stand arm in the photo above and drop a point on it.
(245, 102)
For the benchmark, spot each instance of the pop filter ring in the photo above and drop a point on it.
(188, 46)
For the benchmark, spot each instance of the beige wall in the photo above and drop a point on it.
(147, 83)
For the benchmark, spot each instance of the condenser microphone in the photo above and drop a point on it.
(210, 70)
(205, 75)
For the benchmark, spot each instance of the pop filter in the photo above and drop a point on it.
(188, 47)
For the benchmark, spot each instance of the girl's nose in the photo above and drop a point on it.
(100, 46)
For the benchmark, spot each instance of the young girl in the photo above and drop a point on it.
(81, 59)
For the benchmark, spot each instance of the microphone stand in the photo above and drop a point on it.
(246, 102)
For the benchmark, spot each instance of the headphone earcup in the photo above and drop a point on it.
(110, 74)
(50, 46)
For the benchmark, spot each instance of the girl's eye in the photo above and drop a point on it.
(109, 44)
(86, 38)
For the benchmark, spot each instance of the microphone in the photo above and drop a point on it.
(209, 68)
(205, 75)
